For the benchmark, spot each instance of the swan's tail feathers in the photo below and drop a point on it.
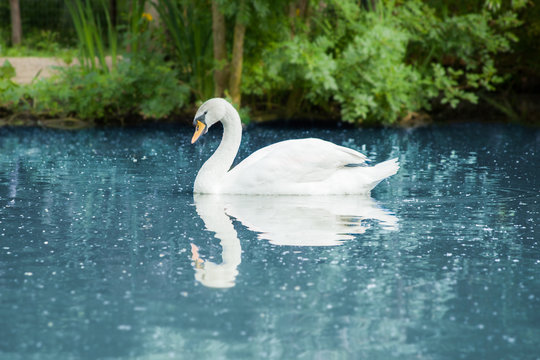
(383, 170)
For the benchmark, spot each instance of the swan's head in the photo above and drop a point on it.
(213, 275)
(209, 113)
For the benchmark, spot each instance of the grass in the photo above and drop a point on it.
(44, 43)
(90, 31)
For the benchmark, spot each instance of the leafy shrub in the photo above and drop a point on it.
(7, 71)
(140, 86)
(381, 65)
(7, 86)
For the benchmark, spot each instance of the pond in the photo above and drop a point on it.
(106, 254)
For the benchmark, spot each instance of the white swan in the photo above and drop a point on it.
(294, 167)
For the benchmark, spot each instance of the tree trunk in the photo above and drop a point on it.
(220, 51)
(16, 28)
(236, 63)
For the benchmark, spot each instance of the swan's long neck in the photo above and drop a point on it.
(211, 209)
(212, 173)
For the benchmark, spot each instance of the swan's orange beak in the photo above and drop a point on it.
(198, 131)
(195, 257)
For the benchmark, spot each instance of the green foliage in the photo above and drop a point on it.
(374, 81)
(7, 86)
(189, 25)
(137, 24)
(141, 86)
(40, 19)
(380, 65)
(89, 31)
(369, 64)
(37, 43)
(7, 71)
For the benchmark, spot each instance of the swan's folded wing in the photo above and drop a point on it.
(298, 161)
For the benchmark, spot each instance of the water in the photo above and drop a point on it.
(105, 254)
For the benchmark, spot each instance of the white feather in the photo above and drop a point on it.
(292, 167)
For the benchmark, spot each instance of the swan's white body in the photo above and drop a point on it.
(292, 167)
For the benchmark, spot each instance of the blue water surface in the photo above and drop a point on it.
(106, 254)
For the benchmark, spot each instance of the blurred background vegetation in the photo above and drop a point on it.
(367, 62)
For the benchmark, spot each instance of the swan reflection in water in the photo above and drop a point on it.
(282, 220)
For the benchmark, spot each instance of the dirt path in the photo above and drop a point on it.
(27, 68)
